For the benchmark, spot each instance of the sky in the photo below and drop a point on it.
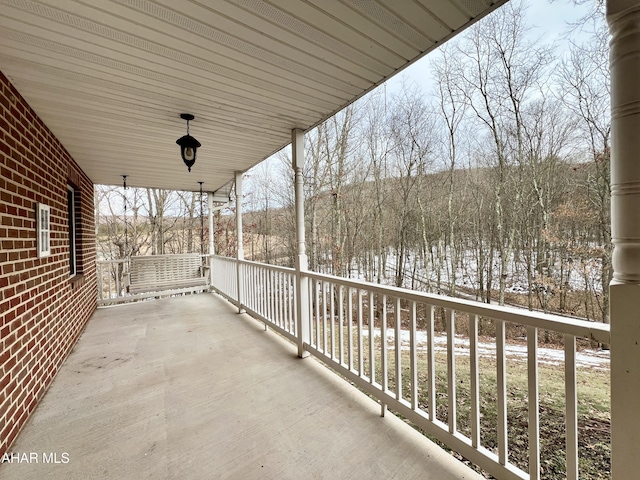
(549, 21)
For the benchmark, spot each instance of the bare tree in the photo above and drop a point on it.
(411, 133)
(378, 146)
(502, 72)
(452, 105)
(584, 77)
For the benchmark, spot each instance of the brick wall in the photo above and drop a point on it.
(43, 310)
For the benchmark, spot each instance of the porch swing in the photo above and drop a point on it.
(162, 275)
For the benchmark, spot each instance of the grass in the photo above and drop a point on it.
(593, 413)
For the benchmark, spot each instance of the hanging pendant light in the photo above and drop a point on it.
(201, 223)
(188, 144)
(126, 225)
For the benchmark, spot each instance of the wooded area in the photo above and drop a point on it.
(494, 185)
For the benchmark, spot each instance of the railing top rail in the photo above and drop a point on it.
(170, 255)
(257, 264)
(115, 260)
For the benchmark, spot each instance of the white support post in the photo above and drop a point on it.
(212, 248)
(212, 230)
(623, 17)
(239, 237)
(302, 293)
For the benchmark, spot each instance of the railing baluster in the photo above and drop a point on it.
(288, 313)
(451, 370)
(258, 291)
(350, 327)
(431, 365)
(332, 302)
(236, 291)
(262, 287)
(341, 322)
(269, 289)
(571, 406)
(250, 298)
(502, 392)
(246, 286)
(398, 345)
(413, 357)
(534, 415)
(243, 295)
(234, 282)
(293, 321)
(261, 273)
(273, 294)
(109, 283)
(281, 299)
(383, 357)
(269, 295)
(269, 314)
(118, 291)
(475, 380)
(316, 291)
(229, 280)
(324, 317)
(255, 297)
(250, 280)
(280, 283)
(360, 359)
(290, 302)
(294, 305)
(286, 318)
(285, 302)
(274, 297)
(100, 291)
(265, 292)
(372, 352)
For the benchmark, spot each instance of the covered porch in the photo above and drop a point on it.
(187, 388)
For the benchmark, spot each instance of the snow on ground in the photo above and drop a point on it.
(583, 275)
(596, 359)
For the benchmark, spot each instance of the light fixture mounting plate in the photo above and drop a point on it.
(186, 116)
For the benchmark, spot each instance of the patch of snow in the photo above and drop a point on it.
(596, 359)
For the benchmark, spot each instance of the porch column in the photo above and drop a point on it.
(212, 248)
(623, 17)
(212, 245)
(239, 237)
(302, 291)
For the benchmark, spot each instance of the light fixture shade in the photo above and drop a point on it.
(188, 148)
(188, 144)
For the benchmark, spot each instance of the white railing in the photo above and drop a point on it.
(267, 292)
(111, 280)
(224, 275)
(357, 329)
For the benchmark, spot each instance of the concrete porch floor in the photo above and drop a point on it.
(185, 388)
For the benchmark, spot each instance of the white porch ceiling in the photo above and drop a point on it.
(110, 78)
